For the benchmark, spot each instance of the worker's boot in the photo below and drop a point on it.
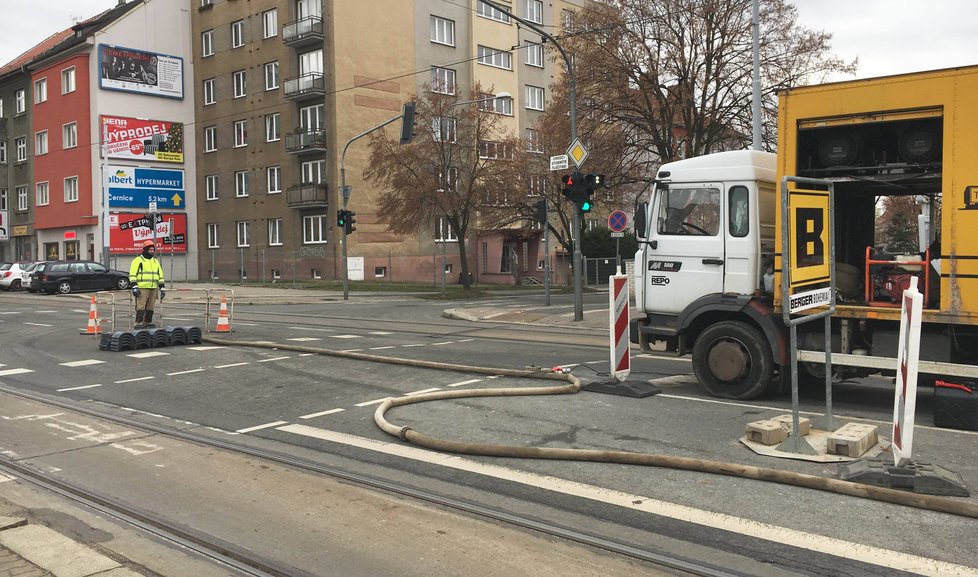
(149, 320)
(140, 323)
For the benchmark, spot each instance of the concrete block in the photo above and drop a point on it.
(852, 440)
(766, 432)
(804, 423)
(54, 552)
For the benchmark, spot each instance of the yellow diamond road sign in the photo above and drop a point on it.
(577, 152)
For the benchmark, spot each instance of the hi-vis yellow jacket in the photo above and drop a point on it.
(146, 273)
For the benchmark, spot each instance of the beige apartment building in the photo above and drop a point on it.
(282, 85)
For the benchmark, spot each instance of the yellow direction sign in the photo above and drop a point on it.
(809, 242)
(577, 152)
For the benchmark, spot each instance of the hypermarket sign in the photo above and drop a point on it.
(136, 187)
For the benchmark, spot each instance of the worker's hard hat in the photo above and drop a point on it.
(148, 244)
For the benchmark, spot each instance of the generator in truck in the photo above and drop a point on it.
(708, 269)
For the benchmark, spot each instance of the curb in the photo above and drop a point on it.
(51, 553)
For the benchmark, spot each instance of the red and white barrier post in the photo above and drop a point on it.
(621, 361)
(908, 354)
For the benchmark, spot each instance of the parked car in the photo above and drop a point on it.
(25, 277)
(65, 276)
(11, 275)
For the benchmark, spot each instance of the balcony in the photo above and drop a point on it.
(309, 85)
(302, 141)
(307, 195)
(303, 32)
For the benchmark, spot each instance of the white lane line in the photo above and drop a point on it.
(273, 359)
(304, 339)
(78, 388)
(346, 336)
(312, 329)
(10, 313)
(595, 362)
(320, 414)
(82, 363)
(379, 333)
(422, 391)
(204, 348)
(765, 531)
(181, 319)
(78, 311)
(664, 357)
(147, 354)
(244, 324)
(415, 345)
(134, 380)
(185, 372)
(441, 343)
(306, 354)
(7, 372)
(381, 348)
(259, 427)
(466, 340)
(374, 402)
(231, 365)
(38, 324)
(49, 312)
(351, 350)
(462, 383)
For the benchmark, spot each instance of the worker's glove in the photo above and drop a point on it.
(162, 293)
(135, 291)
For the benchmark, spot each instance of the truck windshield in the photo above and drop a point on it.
(689, 211)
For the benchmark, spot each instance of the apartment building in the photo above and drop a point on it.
(283, 85)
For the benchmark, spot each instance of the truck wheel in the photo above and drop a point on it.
(733, 360)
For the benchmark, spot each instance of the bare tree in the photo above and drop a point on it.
(451, 170)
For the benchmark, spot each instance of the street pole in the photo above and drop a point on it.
(756, 85)
(105, 194)
(572, 96)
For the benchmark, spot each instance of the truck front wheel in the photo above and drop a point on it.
(732, 360)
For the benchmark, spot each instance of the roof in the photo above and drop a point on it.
(730, 165)
(45, 45)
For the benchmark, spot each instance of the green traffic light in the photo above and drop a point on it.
(586, 206)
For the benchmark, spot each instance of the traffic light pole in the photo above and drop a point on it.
(572, 96)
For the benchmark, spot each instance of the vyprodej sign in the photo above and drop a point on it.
(135, 187)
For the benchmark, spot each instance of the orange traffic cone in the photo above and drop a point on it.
(223, 326)
(94, 324)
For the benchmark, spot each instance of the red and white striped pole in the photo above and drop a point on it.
(621, 361)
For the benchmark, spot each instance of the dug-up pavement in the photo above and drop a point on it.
(34, 542)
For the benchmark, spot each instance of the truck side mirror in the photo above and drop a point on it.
(642, 221)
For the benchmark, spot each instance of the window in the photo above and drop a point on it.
(273, 178)
(68, 80)
(534, 97)
(21, 145)
(40, 143)
(442, 31)
(210, 138)
(240, 83)
(209, 94)
(534, 11)
(534, 55)
(271, 76)
(71, 189)
(3, 199)
(1, 107)
(312, 117)
(69, 135)
(43, 194)
(493, 57)
(3, 152)
(495, 150)
(693, 211)
(443, 129)
(207, 43)
(538, 185)
(241, 183)
(272, 129)
(567, 20)
(21, 198)
(739, 211)
(442, 80)
(242, 227)
(275, 232)
(533, 141)
(490, 103)
(313, 171)
(269, 20)
(237, 34)
(444, 232)
(487, 11)
(40, 90)
(314, 229)
(451, 183)
(240, 133)
(210, 184)
(20, 101)
(212, 236)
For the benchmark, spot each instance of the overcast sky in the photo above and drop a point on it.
(888, 36)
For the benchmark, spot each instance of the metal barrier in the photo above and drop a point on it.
(230, 305)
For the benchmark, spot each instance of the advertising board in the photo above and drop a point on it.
(132, 70)
(128, 231)
(137, 187)
(140, 139)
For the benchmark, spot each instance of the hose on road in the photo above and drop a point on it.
(573, 385)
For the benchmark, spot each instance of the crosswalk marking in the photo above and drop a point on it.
(83, 363)
(147, 354)
(8, 372)
(259, 427)
(304, 339)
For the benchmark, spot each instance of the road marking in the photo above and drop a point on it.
(351, 350)
(38, 324)
(764, 531)
(379, 333)
(663, 357)
(80, 311)
(49, 312)
(273, 359)
(231, 365)
(185, 372)
(204, 348)
(375, 402)
(312, 329)
(306, 354)
(147, 354)
(78, 388)
(10, 313)
(181, 319)
(423, 391)
(8, 372)
(381, 348)
(323, 413)
(244, 324)
(415, 345)
(304, 339)
(259, 427)
(461, 383)
(134, 380)
(346, 336)
(82, 363)
(466, 340)
(441, 343)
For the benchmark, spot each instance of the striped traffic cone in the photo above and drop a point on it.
(223, 325)
(94, 324)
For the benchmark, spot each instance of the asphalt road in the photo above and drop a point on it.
(325, 405)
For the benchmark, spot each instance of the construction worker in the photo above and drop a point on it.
(146, 278)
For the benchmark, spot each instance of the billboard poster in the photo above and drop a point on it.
(138, 139)
(128, 231)
(136, 187)
(4, 226)
(132, 70)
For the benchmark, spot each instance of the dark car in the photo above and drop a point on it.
(65, 276)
